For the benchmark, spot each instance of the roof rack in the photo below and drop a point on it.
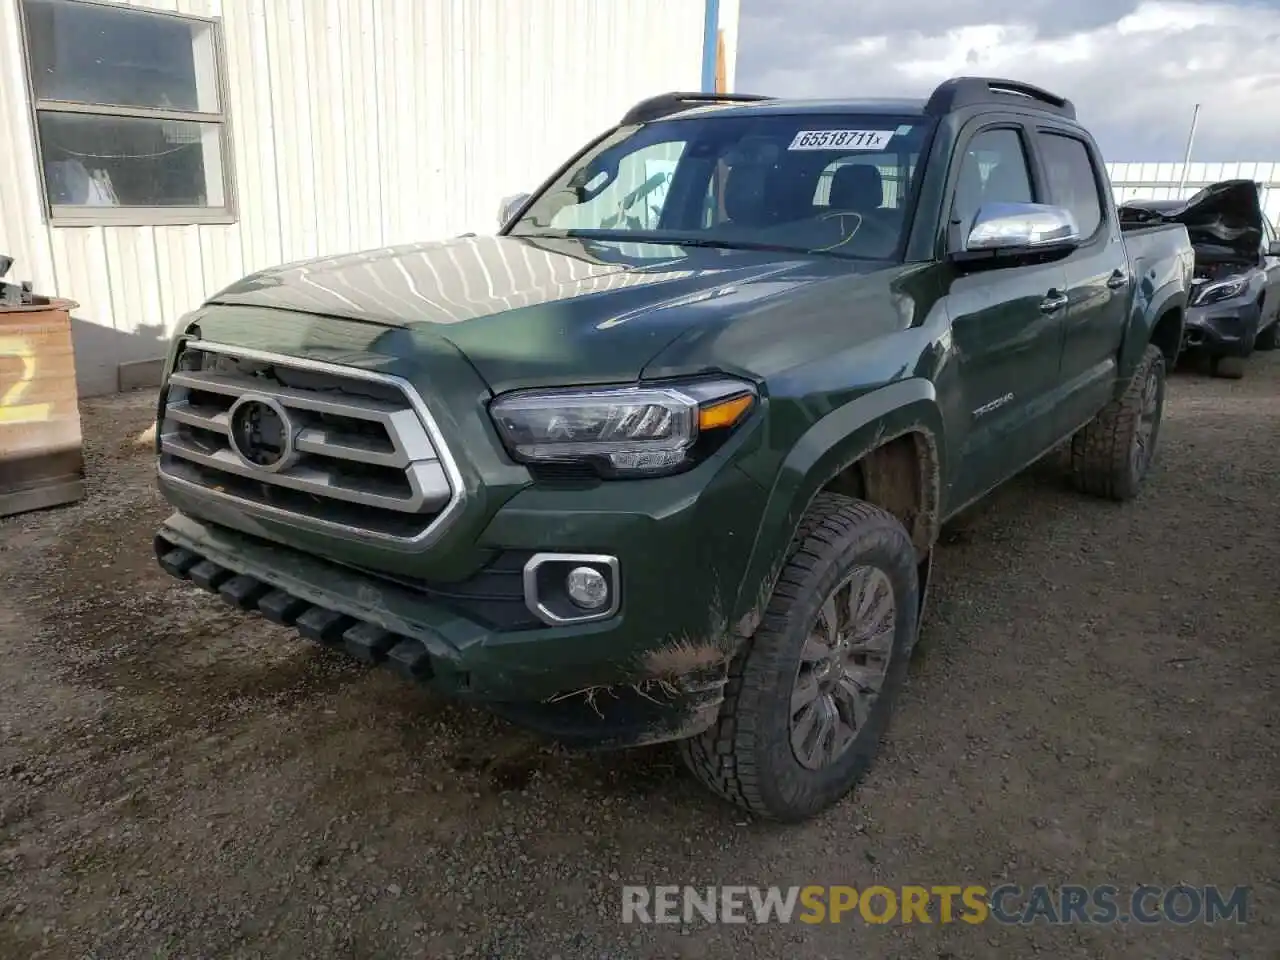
(972, 91)
(665, 104)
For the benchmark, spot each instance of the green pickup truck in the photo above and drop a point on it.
(665, 459)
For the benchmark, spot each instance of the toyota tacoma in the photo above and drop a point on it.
(666, 457)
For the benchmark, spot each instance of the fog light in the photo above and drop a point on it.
(587, 588)
(565, 588)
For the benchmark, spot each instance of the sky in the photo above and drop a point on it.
(1135, 69)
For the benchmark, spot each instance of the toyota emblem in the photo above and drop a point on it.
(261, 433)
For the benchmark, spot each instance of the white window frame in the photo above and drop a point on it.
(137, 216)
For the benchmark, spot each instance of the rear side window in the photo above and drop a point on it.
(1073, 181)
(992, 170)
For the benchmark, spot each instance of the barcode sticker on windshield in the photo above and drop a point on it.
(841, 140)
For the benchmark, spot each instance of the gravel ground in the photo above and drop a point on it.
(1096, 703)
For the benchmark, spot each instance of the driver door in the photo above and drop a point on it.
(1006, 329)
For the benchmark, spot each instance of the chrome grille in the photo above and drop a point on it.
(321, 443)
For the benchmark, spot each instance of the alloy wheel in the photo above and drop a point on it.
(842, 667)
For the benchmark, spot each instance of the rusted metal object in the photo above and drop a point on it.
(41, 449)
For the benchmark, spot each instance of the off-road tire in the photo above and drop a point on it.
(746, 756)
(1101, 460)
(1227, 368)
(1269, 339)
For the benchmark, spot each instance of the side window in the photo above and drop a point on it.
(1268, 235)
(636, 197)
(993, 170)
(1073, 180)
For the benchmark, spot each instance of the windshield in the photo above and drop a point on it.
(839, 183)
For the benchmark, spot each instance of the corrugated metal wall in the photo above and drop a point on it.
(1159, 181)
(356, 124)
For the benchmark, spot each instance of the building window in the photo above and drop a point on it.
(129, 114)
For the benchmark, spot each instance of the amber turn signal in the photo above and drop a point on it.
(724, 413)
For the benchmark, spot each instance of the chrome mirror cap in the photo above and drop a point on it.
(1022, 226)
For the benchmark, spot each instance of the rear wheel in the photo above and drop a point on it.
(1111, 456)
(810, 696)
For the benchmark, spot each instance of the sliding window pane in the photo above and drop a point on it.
(92, 53)
(100, 161)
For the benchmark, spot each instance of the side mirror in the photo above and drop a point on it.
(507, 209)
(1017, 231)
(1273, 248)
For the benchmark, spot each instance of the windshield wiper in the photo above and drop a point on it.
(729, 244)
(751, 245)
(624, 236)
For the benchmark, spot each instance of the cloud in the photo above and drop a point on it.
(1133, 69)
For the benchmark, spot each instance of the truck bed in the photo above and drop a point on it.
(1158, 246)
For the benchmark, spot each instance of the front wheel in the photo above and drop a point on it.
(1269, 339)
(1111, 455)
(810, 696)
(1227, 368)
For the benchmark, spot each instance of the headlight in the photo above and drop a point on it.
(1222, 290)
(622, 431)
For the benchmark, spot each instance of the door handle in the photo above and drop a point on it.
(1117, 280)
(1053, 301)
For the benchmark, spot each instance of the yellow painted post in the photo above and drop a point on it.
(722, 83)
(721, 87)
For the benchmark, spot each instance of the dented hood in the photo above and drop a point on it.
(1224, 219)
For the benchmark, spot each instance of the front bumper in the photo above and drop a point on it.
(1224, 329)
(654, 671)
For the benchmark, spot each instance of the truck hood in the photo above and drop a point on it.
(1224, 220)
(535, 311)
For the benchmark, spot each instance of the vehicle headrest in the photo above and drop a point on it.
(789, 194)
(856, 186)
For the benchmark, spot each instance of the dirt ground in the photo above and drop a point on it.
(1097, 703)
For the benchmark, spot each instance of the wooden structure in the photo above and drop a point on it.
(41, 450)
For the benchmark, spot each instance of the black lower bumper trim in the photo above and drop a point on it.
(324, 626)
(282, 608)
(243, 591)
(209, 575)
(176, 562)
(409, 658)
(623, 714)
(369, 643)
(365, 641)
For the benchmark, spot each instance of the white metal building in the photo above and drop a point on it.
(154, 151)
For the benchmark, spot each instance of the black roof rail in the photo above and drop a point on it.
(976, 91)
(665, 104)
